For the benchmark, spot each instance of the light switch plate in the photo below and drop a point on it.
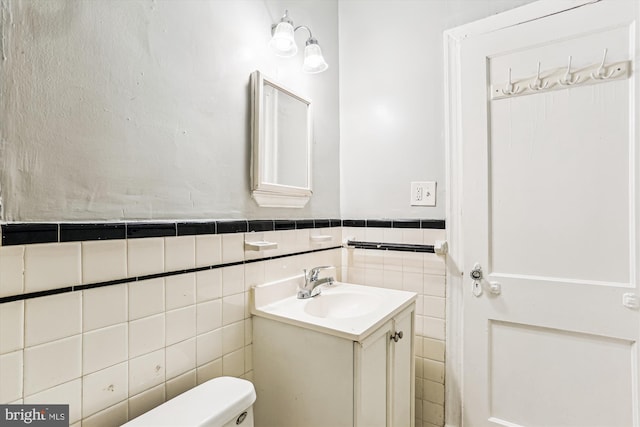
(423, 193)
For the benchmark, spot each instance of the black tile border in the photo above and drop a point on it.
(30, 233)
(100, 231)
(195, 228)
(144, 229)
(75, 288)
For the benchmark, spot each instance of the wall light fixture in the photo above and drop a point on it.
(283, 44)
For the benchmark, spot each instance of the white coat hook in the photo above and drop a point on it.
(568, 79)
(600, 73)
(510, 89)
(537, 83)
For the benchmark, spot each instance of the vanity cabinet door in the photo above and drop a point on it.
(384, 366)
(402, 371)
(371, 358)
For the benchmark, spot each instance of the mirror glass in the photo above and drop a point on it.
(285, 134)
(281, 146)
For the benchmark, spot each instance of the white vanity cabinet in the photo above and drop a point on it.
(311, 378)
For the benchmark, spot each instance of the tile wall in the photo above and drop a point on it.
(423, 273)
(127, 323)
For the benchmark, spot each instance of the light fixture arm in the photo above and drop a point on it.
(304, 27)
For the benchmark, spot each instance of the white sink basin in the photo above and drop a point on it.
(342, 305)
(343, 309)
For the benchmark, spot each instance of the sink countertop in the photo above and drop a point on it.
(278, 301)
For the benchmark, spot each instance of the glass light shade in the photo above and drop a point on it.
(313, 60)
(282, 43)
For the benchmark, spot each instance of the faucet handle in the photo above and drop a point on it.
(315, 271)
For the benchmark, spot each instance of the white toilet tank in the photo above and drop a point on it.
(220, 402)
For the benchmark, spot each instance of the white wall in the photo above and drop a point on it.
(392, 100)
(139, 109)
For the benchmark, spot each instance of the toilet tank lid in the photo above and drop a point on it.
(212, 403)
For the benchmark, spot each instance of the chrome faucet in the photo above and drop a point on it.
(311, 282)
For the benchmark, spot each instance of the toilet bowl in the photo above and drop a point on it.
(220, 402)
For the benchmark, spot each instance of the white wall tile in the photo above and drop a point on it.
(146, 371)
(434, 307)
(373, 277)
(393, 235)
(232, 280)
(232, 247)
(11, 270)
(413, 282)
(51, 266)
(180, 358)
(430, 235)
(287, 241)
(115, 415)
(145, 401)
(233, 364)
(393, 260)
(303, 242)
(104, 388)
(11, 374)
(433, 370)
(353, 233)
(52, 317)
(208, 250)
(104, 260)
(179, 253)
(253, 274)
(233, 308)
(434, 392)
(146, 298)
(180, 290)
(374, 259)
(208, 316)
(412, 262)
(69, 393)
(51, 364)
(412, 236)
(180, 384)
(145, 256)
(208, 284)
(180, 324)
(434, 328)
(146, 335)
(232, 337)
(209, 371)
(434, 349)
(104, 347)
(434, 285)
(208, 347)
(432, 413)
(11, 326)
(374, 234)
(392, 279)
(434, 264)
(104, 306)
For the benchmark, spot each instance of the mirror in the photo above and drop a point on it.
(281, 144)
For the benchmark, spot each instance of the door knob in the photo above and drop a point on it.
(476, 274)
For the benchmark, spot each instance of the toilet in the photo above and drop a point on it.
(220, 402)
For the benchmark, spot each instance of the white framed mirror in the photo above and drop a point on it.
(280, 144)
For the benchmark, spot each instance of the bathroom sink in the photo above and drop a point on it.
(344, 310)
(343, 304)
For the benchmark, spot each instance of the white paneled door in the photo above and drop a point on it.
(551, 220)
